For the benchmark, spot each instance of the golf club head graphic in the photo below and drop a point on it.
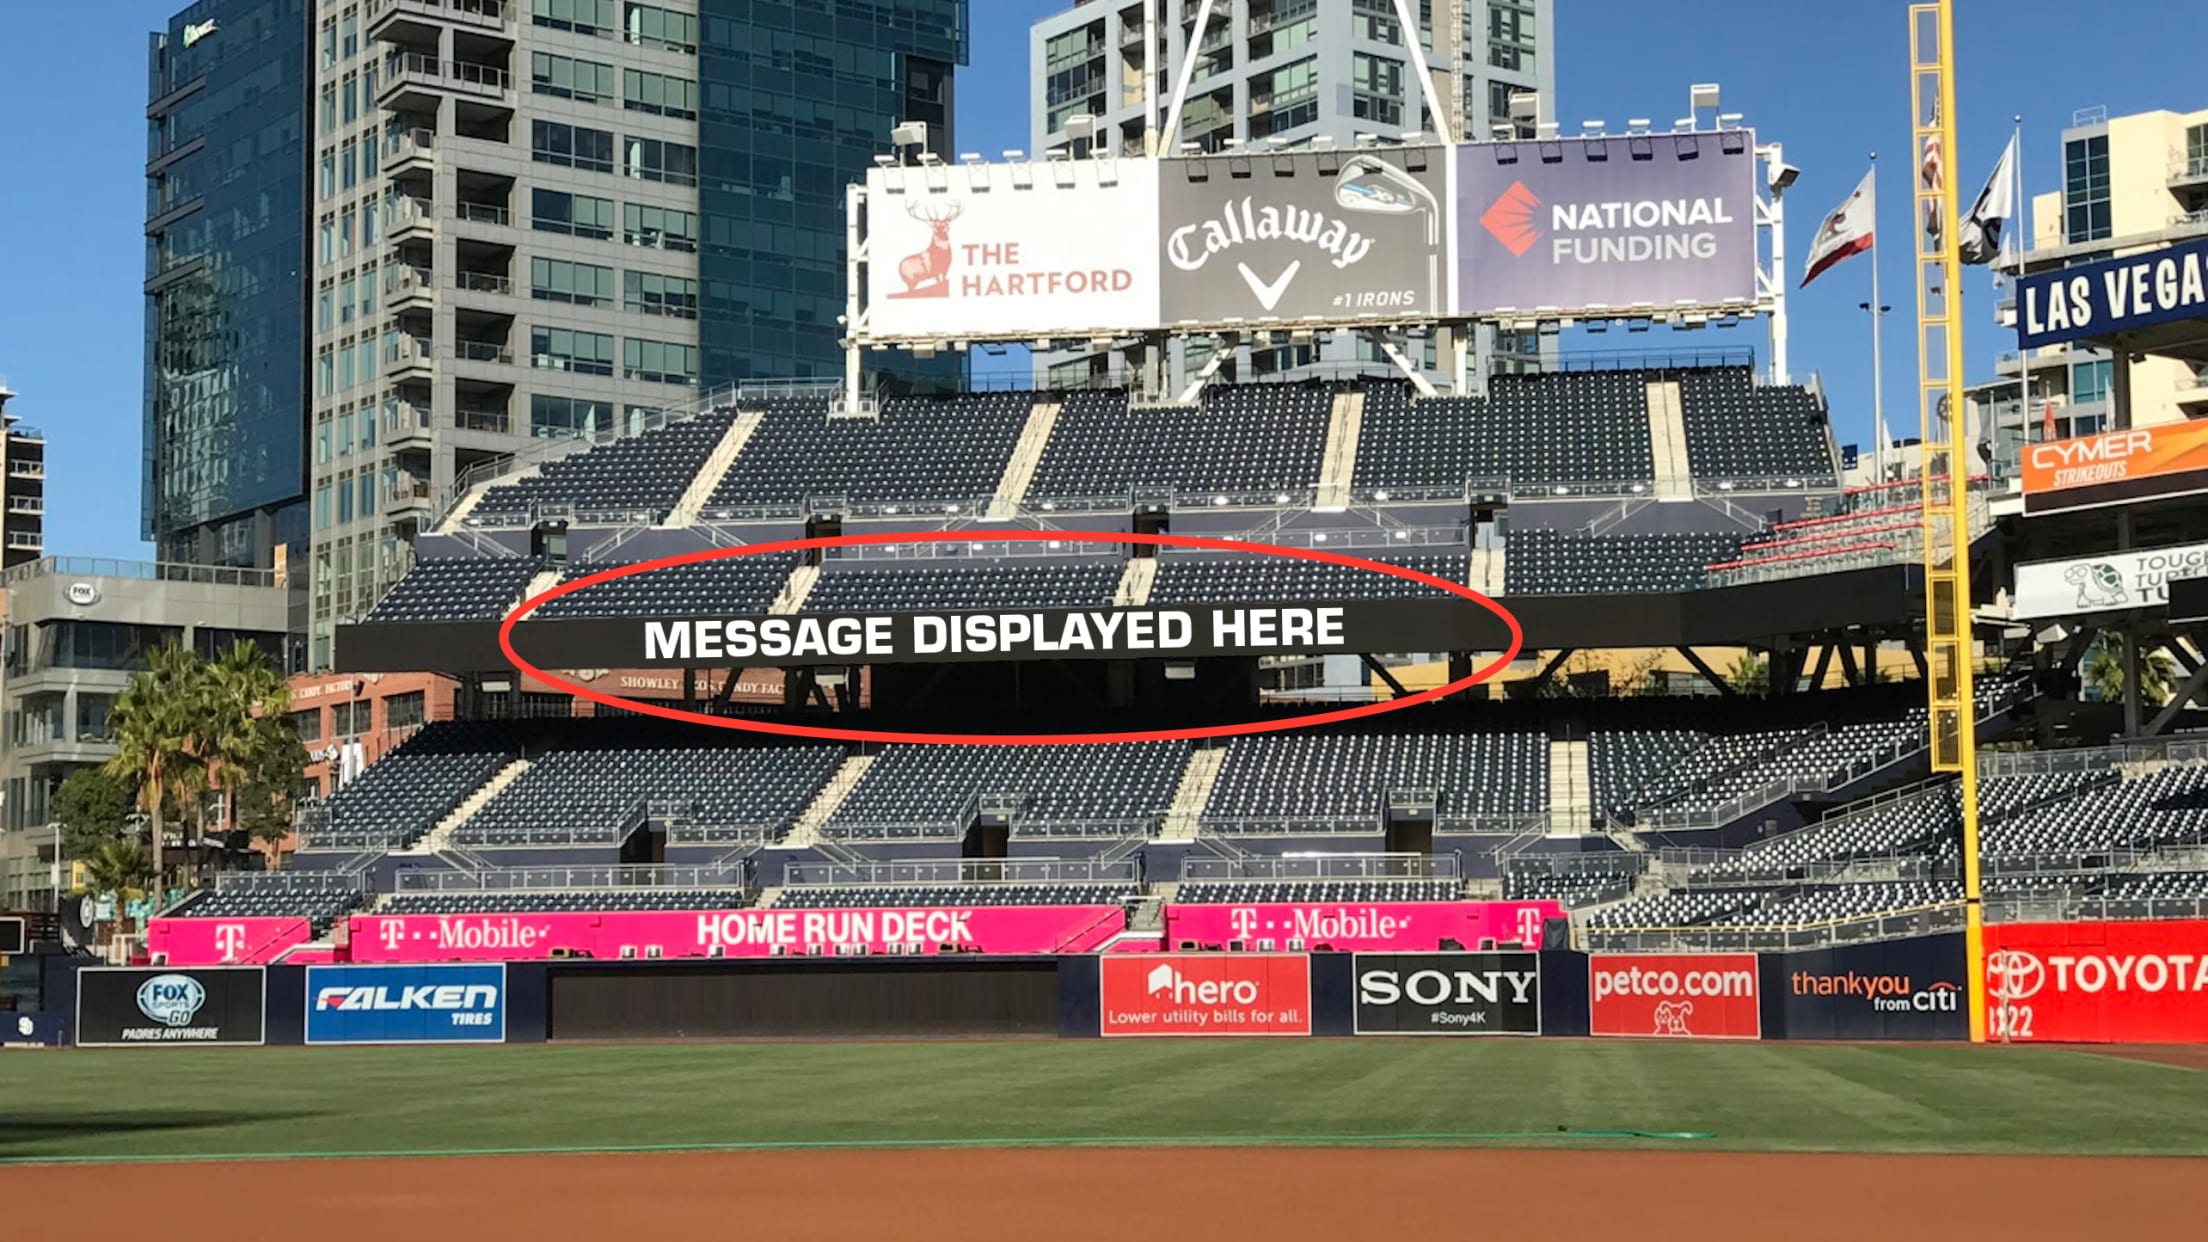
(1369, 183)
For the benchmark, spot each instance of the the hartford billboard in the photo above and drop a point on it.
(1101, 247)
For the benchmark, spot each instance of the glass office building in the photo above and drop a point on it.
(224, 470)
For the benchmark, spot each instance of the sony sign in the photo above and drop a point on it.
(1448, 993)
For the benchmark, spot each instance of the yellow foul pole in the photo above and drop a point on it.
(1946, 455)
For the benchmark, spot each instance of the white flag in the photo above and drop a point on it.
(1848, 231)
(1996, 206)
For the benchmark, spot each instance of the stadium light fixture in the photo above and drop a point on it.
(1502, 131)
(1702, 95)
(885, 161)
(930, 159)
(969, 157)
(910, 135)
(1081, 127)
(1728, 120)
(1014, 155)
(1637, 125)
(1684, 125)
(1525, 105)
(1783, 176)
(1593, 129)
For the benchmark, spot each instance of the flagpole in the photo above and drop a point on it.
(2023, 225)
(1878, 365)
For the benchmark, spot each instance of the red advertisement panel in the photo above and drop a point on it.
(1679, 995)
(1206, 994)
(2124, 983)
(1361, 927)
(224, 942)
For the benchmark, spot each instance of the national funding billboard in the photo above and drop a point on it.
(1651, 222)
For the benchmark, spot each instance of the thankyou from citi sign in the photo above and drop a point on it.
(1199, 994)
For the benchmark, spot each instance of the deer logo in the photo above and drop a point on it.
(927, 273)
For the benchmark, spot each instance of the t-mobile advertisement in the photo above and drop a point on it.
(1352, 927)
(224, 942)
(730, 933)
(1303, 235)
(1646, 222)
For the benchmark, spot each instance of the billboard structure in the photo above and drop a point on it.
(2111, 583)
(2116, 467)
(1286, 243)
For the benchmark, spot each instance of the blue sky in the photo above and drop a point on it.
(1830, 81)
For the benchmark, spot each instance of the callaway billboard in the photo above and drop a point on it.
(137, 1007)
(1448, 994)
(406, 1004)
(1004, 251)
(1304, 235)
(2108, 583)
(1649, 222)
(1682, 995)
(2115, 466)
(2143, 982)
(1205, 994)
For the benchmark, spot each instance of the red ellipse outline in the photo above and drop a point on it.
(1478, 675)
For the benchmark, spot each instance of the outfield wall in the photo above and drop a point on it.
(1906, 989)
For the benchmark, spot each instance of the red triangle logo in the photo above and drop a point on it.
(1511, 219)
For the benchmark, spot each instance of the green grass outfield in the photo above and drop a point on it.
(1763, 1097)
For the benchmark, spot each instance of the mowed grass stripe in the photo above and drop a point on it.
(1747, 1096)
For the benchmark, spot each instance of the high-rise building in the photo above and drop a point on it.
(23, 486)
(533, 219)
(1288, 72)
(2129, 183)
(224, 478)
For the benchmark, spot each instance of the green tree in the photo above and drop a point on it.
(1750, 675)
(120, 868)
(93, 807)
(2104, 673)
(253, 752)
(157, 722)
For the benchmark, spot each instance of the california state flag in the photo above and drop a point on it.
(1847, 232)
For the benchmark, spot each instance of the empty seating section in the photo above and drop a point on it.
(730, 586)
(941, 586)
(2162, 808)
(1831, 540)
(639, 477)
(1094, 790)
(1194, 578)
(397, 799)
(1668, 770)
(1247, 445)
(594, 795)
(1760, 436)
(1340, 782)
(1553, 562)
(457, 589)
(1571, 891)
(565, 901)
(321, 907)
(919, 452)
(1259, 892)
(900, 896)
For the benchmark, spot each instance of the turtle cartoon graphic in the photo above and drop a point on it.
(2099, 584)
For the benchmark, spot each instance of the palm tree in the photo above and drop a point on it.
(2104, 673)
(121, 868)
(156, 722)
(251, 745)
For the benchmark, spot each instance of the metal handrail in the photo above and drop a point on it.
(961, 871)
(615, 877)
(1349, 866)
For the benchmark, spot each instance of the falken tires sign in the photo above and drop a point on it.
(153, 1007)
(445, 1004)
(1448, 993)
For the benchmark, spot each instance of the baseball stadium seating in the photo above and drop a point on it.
(824, 897)
(599, 793)
(642, 476)
(1008, 582)
(1314, 781)
(457, 589)
(1056, 791)
(717, 588)
(1255, 892)
(536, 901)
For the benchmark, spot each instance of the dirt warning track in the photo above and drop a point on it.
(1108, 1195)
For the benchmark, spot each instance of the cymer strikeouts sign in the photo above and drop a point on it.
(1682, 995)
(1205, 994)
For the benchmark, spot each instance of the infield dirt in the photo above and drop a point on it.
(1108, 1195)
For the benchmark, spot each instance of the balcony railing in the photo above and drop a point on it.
(143, 571)
(483, 351)
(494, 421)
(403, 419)
(484, 282)
(484, 213)
(407, 144)
(403, 68)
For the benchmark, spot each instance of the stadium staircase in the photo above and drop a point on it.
(768, 896)
(1197, 781)
(1483, 571)
(538, 585)
(458, 516)
(700, 491)
(1339, 462)
(1135, 582)
(1027, 456)
(1667, 441)
(1571, 796)
(805, 833)
(794, 592)
(438, 840)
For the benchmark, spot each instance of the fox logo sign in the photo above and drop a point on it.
(406, 1004)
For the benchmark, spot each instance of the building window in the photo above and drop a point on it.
(579, 215)
(2085, 190)
(649, 159)
(662, 228)
(1378, 85)
(352, 719)
(403, 711)
(653, 294)
(2196, 151)
(573, 146)
(1375, 20)
(649, 25)
(562, 77)
(2091, 381)
(659, 93)
(585, 17)
(557, 280)
(659, 362)
(559, 349)
(308, 724)
(559, 418)
(1284, 98)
